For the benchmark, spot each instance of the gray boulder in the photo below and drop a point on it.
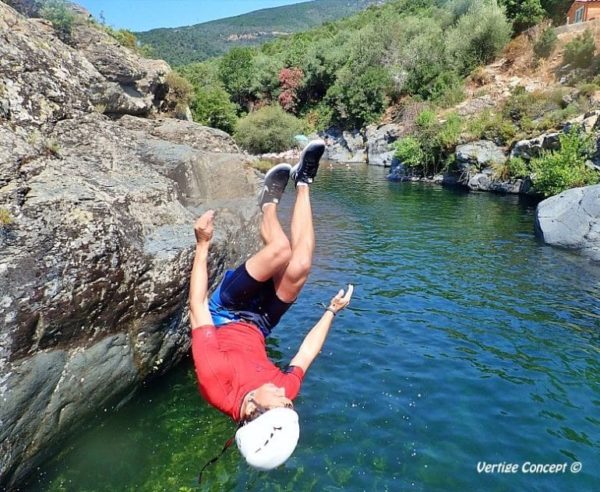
(572, 220)
(94, 270)
(478, 155)
(528, 149)
(344, 146)
(96, 240)
(379, 140)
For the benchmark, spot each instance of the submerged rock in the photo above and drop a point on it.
(572, 220)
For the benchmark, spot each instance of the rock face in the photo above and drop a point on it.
(344, 146)
(96, 239)
(379, 140)
(478, 155)
(572, 220)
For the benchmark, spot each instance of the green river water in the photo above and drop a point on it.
(467, 341)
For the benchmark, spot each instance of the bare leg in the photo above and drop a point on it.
(289, 281)
(276, 253)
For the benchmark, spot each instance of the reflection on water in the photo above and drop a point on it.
(467, 341)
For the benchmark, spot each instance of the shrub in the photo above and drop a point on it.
(180, 89)
(450, 131)
(480, 76)
(124, 37)
(491, 126)
(5, 218)
(262, 165)
(546, 43)
(318, 118)
(512, 168)
(59, 13)
(410, 152)
(270, 129)
(211, 106)
(580, 52)
(359, 99)
(554, 172)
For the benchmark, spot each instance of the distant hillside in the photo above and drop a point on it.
(183, 45)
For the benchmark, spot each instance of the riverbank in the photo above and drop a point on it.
(467, 341)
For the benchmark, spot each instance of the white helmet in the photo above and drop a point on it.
(269, 440)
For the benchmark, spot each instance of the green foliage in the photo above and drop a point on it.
(478, 37)
(5, 218)
(512, 168)
(124, 37)
(211, 106)
(523, 13)
(270, 129)
(181, 46)
(580, 51)
(432, 144)
(318, 118)
(538, 111)
(409, 151)
(180, 90)
(236, 71)
(554, 172)
(209, 101)
(492, 126)
(354, 68)
(262, 165)
(59, 13)
(358, 99)
(546, 43)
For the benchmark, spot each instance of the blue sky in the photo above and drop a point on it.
(142, 15)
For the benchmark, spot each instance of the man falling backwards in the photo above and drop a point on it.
(228, 330)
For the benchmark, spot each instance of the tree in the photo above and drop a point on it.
(291, 81)
(236, 71)
(523, 13)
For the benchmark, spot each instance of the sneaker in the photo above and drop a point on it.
(274, 185)
(306, 170)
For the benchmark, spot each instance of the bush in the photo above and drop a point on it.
(359, 99)
(492, 126)
(580, 52)
(59, 13)
(124, 37)
(512, 168)
(546, 43)
(409, 151)
(5, 218)
(554, 172)
(211, 106)
(270, 129)
(180, 90)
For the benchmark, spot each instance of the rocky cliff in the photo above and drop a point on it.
(96, 241)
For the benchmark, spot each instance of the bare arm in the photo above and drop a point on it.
(313, 342)
(199, 313)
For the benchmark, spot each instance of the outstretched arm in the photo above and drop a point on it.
(199, 313)
(313, 342)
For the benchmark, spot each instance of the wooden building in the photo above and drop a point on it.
(583, 11)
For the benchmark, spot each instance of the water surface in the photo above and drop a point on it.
(467, 341)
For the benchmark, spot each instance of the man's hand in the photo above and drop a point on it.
(341, 300)
(203, 227)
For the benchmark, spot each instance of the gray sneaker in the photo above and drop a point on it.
(276, 180)
(306, 170)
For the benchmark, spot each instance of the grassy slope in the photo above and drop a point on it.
(183, 45)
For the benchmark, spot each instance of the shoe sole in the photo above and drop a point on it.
(279, 168)
(310, 157)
